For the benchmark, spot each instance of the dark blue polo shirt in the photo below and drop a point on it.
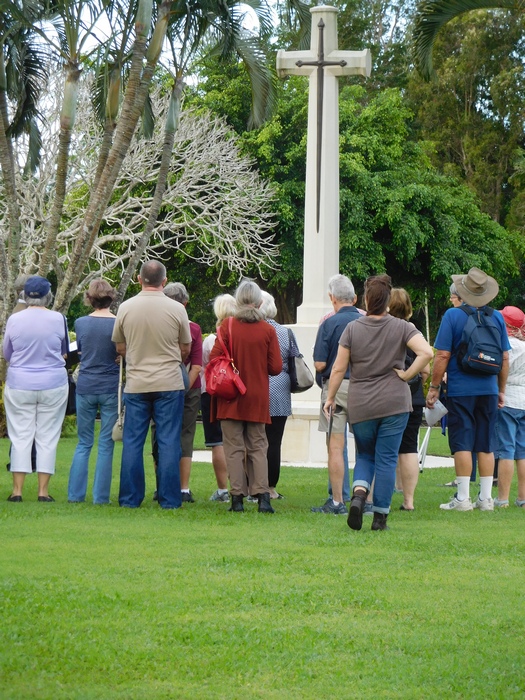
(327, 340)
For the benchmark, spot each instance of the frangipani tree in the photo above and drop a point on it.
(215, 205)
(127, 61)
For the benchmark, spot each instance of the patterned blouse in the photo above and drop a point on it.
(280, 396)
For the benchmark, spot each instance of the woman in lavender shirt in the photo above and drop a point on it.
(36, 391)
(97, 388)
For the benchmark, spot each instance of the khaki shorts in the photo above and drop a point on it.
(340, 413)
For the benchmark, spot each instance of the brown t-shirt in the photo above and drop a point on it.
(152, 325)
(377, 345)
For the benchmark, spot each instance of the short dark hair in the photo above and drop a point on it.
(377, 294)
(100, 294)
(153, 273)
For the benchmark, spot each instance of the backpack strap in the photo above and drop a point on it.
(487, 310)
(466, 309)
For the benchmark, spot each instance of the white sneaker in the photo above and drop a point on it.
(454, 504)
(486, 504)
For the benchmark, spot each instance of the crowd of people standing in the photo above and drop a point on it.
(371, 366)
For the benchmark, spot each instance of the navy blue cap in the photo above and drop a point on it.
(37, 287)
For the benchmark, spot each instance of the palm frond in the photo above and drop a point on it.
(261, 78)
(431, 15)
(148, 119)
(26, 74)
(34, 150)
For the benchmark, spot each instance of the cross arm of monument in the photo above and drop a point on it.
(338, 63)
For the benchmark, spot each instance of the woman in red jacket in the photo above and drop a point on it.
(255, 351)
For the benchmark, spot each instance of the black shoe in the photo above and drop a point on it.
(46, 499)
(379, 522)
(156, 496)
(14, 499)
(356, 510)
(187, 497)
(237, 505)
(264, 503)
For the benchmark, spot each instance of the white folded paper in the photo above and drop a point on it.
(433, 415)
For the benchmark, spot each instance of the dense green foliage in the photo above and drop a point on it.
(399, 212)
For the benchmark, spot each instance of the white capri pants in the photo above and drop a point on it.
(35, 416)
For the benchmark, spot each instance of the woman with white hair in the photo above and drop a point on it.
(255, 350)
(36, 390)
(223, 307)
(280, 396)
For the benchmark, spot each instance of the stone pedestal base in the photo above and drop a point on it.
(303, 444)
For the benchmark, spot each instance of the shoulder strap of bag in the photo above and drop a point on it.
(65, 331)
(294, 350)
(221, 341)
(119, 393)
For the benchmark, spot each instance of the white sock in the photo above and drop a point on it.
(463, 487)
(184, 490)
(336, 503)
(485, 487)
(221, 491)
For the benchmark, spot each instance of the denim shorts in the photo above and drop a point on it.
(511, 433)
(472, 422)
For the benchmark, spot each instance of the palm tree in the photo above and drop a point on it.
(22, 75)
(191, 26)
(219, 26)
(431, 15)
(74, 23)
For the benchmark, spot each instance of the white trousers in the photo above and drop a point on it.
(35, 416)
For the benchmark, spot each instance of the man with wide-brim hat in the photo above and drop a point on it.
(476, 288)
(472, 399)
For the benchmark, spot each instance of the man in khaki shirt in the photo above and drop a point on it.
(152, 332)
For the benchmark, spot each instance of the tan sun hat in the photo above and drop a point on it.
(476, 288)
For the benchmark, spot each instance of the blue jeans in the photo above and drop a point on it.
(377, 446)
(87, 407)
(166, 408)
(346, 478)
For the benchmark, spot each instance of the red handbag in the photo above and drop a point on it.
(221, 375)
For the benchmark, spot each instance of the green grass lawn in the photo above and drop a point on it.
(102, 602)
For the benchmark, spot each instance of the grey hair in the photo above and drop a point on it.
(341, 288)
(42, 301)
(454, 291)
(249, 298)
(20, 282)
(152, 273)
(177, 291)
(224, 306)
(268, 308)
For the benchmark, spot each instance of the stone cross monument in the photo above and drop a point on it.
(324, 64)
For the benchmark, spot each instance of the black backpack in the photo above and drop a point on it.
(480, 350)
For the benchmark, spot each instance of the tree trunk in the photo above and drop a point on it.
(136, 92)
(10, 254)
(112, 107)
(67, 122)
(172, 124)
